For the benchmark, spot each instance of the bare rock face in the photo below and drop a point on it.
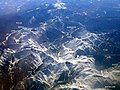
(55, 49)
